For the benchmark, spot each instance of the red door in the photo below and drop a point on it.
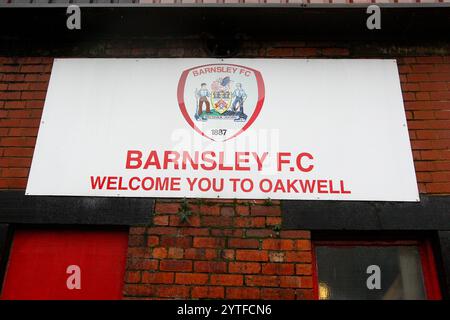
(66, 264)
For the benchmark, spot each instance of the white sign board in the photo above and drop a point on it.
(237, 128)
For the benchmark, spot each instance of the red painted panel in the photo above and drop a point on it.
(39, 260)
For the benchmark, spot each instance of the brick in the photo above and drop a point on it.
(139, 290)
(208, 292)
(278, 268)
(303, 269)
(302, 294)
(7, 123)
(193, 231)
(191, 278)
(39, 68)
(273, 221)
(277, 294)
(418, 77)
(243, 293)
(16, 86)
(280, 52)
(431, 144)
(295, 282)
(17, 142)
(208, 242)
(136, 240)
(9, 95)
(24, 114)
(261, 281)
(439, 187)
(13, 183)
(276, 256)
(298, 256)
(136, 230)
(14, 172)
(217, 221)
(435, 154)
(265, 211)
(433, 134)
(306, 52)
(175, 253)
(14, 77)
(439, 77)
(173, 291)
(176, 265)
(38, 86)
(441, 165)
(262, 233)
(192, 221)
(295, 234)
(335, 52)
(250, 222)
(243, 243)
(228, 254)
(161, 220)
(252, 255)
(29, 123)
(159, 253)
(17, 104)
(434, 59)
(303, 245)
(227, 211)
(176, 241)
(163, 207)
(423, 96)
(445, 114)
(162, 230)
(152, 241)
(23, 132)
(34, 104)
(157, 277)
(226, 232)
(421, 115)
(141, 264)
(277, 244)
(209, 210)
(433, 86)
(33, 95)
(429, 124)
(200, 254)
(210, 266)
(439, 95)
(244, 267)
(9, 68)
(15, 162)
(227, 280)
(133, 277)
(422, 68)
(242, 210)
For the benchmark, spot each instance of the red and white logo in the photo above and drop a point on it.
(220, 101)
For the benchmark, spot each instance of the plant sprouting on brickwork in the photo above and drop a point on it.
(184, 212)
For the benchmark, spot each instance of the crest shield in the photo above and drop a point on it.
(220, 101)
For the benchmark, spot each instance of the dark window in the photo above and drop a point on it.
(374, 271)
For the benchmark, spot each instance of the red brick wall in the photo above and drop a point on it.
(228, 249)
(23, 85)
(426, 92)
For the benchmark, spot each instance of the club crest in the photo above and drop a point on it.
(220, 101)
